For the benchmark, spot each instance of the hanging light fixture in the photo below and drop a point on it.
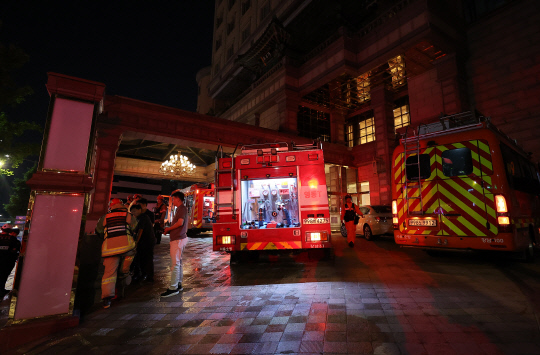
(178, 165)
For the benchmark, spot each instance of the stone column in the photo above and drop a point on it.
(107, 143)
(44, 286)
(451, 75)
(382, 104)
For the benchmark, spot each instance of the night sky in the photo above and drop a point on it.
(142, 50)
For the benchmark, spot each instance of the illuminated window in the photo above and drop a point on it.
(402, 116)
(367, 130)
(363, 88)
(360, 129)
(349, 135)
(364, 197)
(313, 124)
(396, 66)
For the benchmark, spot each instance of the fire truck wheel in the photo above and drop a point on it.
(367, 233)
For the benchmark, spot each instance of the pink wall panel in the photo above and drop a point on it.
(47, 274)
(67, 144)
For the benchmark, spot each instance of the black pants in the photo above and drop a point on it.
(157, 232)
(145, 256)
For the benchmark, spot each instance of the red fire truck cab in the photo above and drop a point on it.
(271, 197)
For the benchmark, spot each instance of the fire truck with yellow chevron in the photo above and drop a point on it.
(199, 200)
(461, 183)
(271, 197)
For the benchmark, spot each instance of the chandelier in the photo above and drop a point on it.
(177, 165)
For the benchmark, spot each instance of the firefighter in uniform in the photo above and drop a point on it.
(9, 252)
(160, 211)
(348, 213)
(118, 248)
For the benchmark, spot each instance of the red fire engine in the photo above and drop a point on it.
(199, 199)
(271, 197)
(461, 183)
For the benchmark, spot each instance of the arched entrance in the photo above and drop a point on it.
(72, 186)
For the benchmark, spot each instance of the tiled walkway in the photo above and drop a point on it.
(373, 299)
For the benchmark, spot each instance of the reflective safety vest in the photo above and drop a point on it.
(350, 213)
(118, 234)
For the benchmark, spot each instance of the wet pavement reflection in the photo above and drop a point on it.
(373, 299)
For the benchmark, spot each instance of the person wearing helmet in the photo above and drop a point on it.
(160, 211)
(117, 230)
(348, 214)
(129, 201)
(9, 252)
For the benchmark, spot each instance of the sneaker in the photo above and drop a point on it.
(170, 292)
(106, 302)
(351, 244)
(180, 288)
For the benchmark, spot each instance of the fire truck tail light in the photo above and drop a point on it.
(394, 207)
(195, 222)
(226, 239)
(313, 156)
(290, 158)
(395, 220)
(244, 162)
(500, 202)
(227, 164)
(503, 220)
(313, 237)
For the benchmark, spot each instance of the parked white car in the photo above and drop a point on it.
(377, 220)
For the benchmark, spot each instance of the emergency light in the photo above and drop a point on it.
(225, 239)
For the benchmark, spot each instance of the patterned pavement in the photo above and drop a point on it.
(373, 299)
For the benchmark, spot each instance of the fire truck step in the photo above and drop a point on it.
(223, 204)
(219, 188)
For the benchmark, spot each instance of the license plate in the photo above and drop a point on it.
(423, 222)
(316, 220)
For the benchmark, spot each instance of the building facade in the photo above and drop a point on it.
(352, 72)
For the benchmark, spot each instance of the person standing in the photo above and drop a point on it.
(117, 228)
(144, 260)
(178, 237)
(9, 252)
(160, 212)
(144, 206)
(348, 213)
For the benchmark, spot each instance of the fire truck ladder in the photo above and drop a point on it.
(409, 151)
(218, 205)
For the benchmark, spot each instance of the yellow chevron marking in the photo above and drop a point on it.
(472, 213)
(453, 227)
(270, 246)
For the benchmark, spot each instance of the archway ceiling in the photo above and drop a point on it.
(157, 148)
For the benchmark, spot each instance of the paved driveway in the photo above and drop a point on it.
(373, 299)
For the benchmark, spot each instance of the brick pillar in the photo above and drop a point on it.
(451, 76)
(382, 104)
(288, 112)
(107, 142)
(337, 127)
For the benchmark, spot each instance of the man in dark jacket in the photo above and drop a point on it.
(144, 264)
